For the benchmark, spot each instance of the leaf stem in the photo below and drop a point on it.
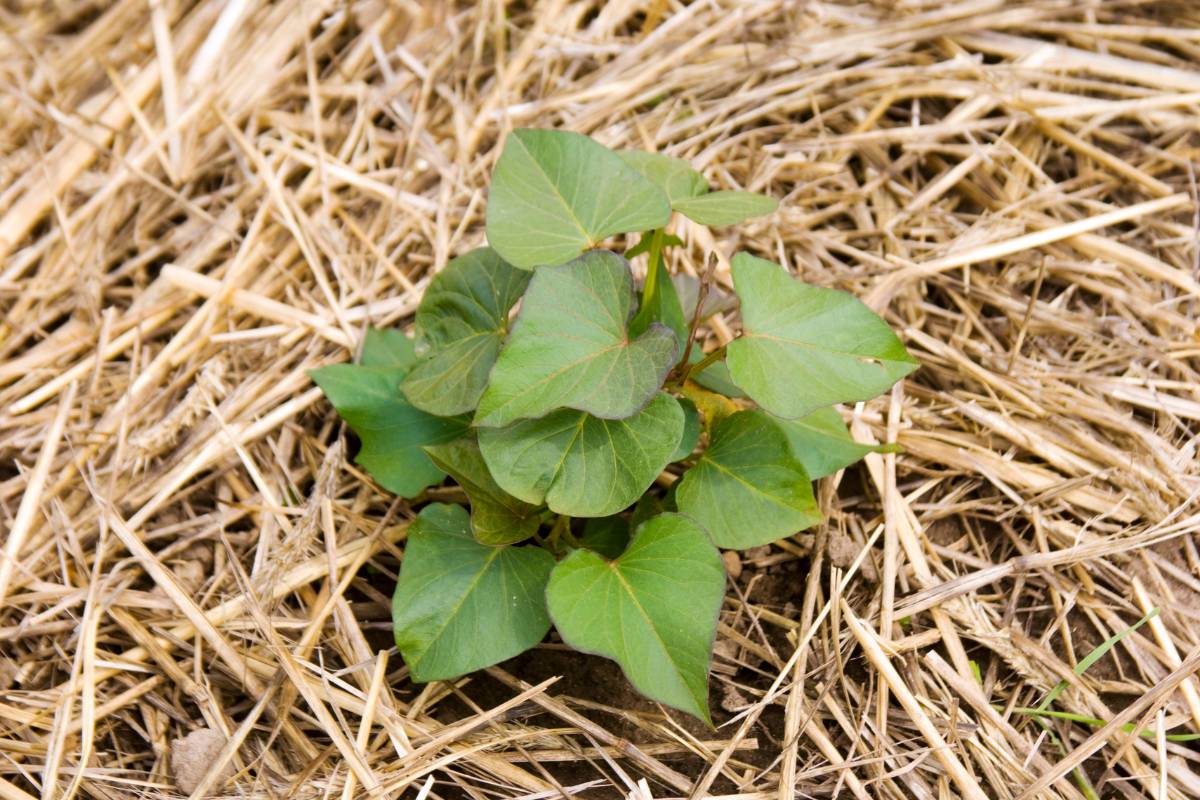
(561, 530)
(703, 364)
(656, 248)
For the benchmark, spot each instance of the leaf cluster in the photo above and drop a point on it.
(604, 455)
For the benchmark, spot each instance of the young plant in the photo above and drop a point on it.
(562, 423)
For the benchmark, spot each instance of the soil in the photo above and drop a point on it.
(594, 679)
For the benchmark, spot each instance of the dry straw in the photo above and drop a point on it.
(199, 201)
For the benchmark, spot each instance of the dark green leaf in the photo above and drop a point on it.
(804, 347)
(496, 516)
(725, 208)
(691, 430)
(653, 610)
(391, 430)
(673, 175)
(660, 303)
(388, 348)
(555, 194)
(570, 347)
(462, 320)
(607, 536)
(747, 489)
(581, 465)
(821, 442)
(648, 505)
(461, 605)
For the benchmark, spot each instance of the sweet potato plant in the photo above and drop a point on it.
(604, 457)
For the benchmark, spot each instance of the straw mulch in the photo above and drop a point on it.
(199, 201)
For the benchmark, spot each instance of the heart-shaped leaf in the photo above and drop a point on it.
(673, 175)
(496, 516)
(748, 489)
(461, 605)
(804, 347)
(581, 465)
(385, 347)
(391, 430)
(725, 207)
(570, 347)
(555, 194)
(653, 610)
(462, 321)
(822, 444)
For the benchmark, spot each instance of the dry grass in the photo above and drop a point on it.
(201, 200)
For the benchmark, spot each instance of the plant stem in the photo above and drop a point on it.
(703, 364)
(701, 296)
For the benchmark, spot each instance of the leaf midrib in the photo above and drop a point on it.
(615, 568)
(449, 618)
(554, 188)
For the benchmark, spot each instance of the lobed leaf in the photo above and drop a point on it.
(726, 207)
(391, 430)
(555, 194)
(570, 347)
(822, 444)
(385, 347)
(462, 321)
(673, 175)
(460, 605)
(653, 610)
(496, 516)
(804, 347)
(748, 489)
(581, 465)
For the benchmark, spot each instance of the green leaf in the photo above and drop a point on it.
(570, 347)
(461, 605)
(388, 348)
(607, 536)
(821, 442)
(725, 208)
(804, 347)
(691, 430)
(392, 431)
(660, 303)
(673, 175)
(581, 465)
(653, 610)
(462, 319)
(747, 489)
(555, 194)
(496, 516)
